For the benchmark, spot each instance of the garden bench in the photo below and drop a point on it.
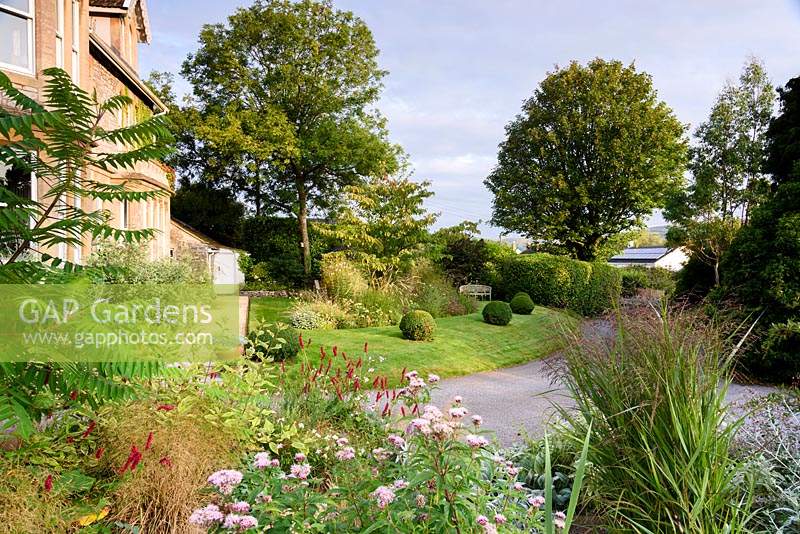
(476, 291)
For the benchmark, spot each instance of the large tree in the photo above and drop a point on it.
(591, 154)
(285, 93)
(214, 211)
(727, 165)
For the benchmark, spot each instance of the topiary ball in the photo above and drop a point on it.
(522, 304)
(418, 325)
(497, 312)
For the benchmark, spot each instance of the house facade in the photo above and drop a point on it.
(96, 42)
(668, 258)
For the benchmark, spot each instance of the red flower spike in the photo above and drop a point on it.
(70, 439)
(89, 429)
(165, 407)
(359, 362)
(149, 444)
(99, 453)
(300, 339)
(335, 351)
(375, 382)
(415, 409)
(328, 368)
(385, 409)
(165, 461)
(357, 384)
(73, 394)
(48, 483)
(308, 343)
(403, 375)
(403, 410)
(321, 352)
(366, 345)
(378, 396)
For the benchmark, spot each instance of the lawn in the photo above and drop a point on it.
(269, 309)
(462, 345)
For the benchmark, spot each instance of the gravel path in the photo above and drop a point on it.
(518, 401)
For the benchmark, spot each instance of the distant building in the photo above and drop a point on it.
(668, 258)
(191, 245)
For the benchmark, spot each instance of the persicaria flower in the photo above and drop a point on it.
(476, 442)
(239, 522)
(411, 374)
(381, 454)
(500, 519)
(383, 495)
(300, 471)
(225, 480)
(433, 379)
(206, 516)
(400, 484)
(262, 460)
(396, 440)
(477, 420)
(432, 413)
(48, 483)
(420, 424)
(559, 519)
(537, 501)
(347, 453)
(299, 457)
(482, 520)
(239, 507)
(458, 412)
(165, 407)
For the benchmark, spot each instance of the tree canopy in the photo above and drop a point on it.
(214, 211)
(284, 95)
(591, 154)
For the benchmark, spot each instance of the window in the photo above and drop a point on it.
(16, 34)
(60, 34)
(123, 216)
(76, 42)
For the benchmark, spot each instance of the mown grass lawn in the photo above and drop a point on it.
(269, 309)
(462, 345)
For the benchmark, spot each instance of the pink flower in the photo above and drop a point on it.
(396, 440)
(537, 501)
(383, 495)
(225, 480)
(264, 498)
(274, 463)
(246, 522)
(381, 454)
(500, 519)
(458, 399)
(299, 458)
(347, 453)
(476, 442)
(489, 529)
(477, 420)
(400, 484)
(482, 520)
(421, 425)
(411, 374)
(433, 379)
(300, 471)
(239, 522)
(207, 516)
(262, 460)
(559, 519)
(518, 486)
(420, 500)
(458, 412)
(240, 507)
(512, 471)
(431, 413)
(341, 442)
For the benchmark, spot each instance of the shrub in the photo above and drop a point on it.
(781, 351)
(633, 279)
(660, 428)
(418, 325)
(341, 278)
(461, 305)
(317, 315)
(558, 281)
(522, 304)
(434, 293)
(637, 277)
(127, 263)
(497, 312)
(276, 341)
(378, 307)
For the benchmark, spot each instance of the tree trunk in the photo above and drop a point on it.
(716, 272)
(302, 221)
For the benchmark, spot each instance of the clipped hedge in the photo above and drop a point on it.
(561, 282)
(497, 313)
(418, 325)
(522, 304)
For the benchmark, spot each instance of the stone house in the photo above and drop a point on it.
(96, 42)
(189, 244)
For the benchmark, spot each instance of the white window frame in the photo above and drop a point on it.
(76, 42)
(124, 215)
(30, 16)
(60, 34)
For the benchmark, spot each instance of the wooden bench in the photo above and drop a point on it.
(476, 291)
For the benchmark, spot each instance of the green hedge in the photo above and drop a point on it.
(561, 282)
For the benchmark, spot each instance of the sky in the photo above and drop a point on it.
(459, 70)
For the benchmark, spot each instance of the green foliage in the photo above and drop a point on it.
(211, 210)
(383, 224)
(55, 140)
(694, 280)
(341, 278)
(522, 304)
(661, 433)
(418, 325)
(587, 288)
(123, 263)
(497, 313)
(433, 292)
(563, 176)
(781, 351)
(463, 257)
(273, 340)
(273, 240)
(783, 137)
(638, 277)
(295, 120)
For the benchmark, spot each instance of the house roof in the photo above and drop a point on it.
(199, 235)
(641, 255)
